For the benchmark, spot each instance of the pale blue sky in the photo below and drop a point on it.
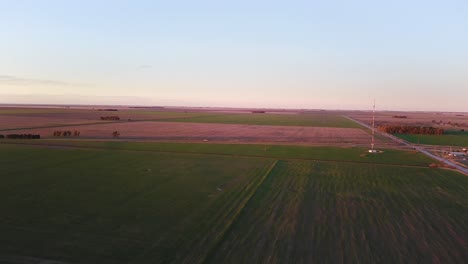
(409, 55)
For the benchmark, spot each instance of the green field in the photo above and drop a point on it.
(315, 120)
(348, 154)
(92, 206)
(113, 202)
(308, 212)
(459, 139)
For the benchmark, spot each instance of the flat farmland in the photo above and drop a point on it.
(323, 153)
(20, 118)
(8, 123)
(25, 118)
(413, 119)
(14, 118)
(180, 131)
(94, 206)
(117, 202)
(314, 120)
(456, 139)
(307, 212)
(454, 124)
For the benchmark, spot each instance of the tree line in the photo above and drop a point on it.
(21, 136)
(455, 124)
(66, 133)
(110, 118)
(411, 130)
(108, 109)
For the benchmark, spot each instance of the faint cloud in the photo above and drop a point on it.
(74, 99)
(20, 81)
(145, 66)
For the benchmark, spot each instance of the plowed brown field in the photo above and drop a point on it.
(20, 118)
(174, 131)
(18, 122)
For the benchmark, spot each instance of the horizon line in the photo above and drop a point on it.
(219, 107)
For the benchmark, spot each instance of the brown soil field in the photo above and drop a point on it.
(19, 118)
(414, 118)
(174, 131)
(15, 122)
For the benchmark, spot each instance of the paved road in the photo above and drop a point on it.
(415, 147)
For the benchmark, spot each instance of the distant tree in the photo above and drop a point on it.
(23, 136)
(110, 118)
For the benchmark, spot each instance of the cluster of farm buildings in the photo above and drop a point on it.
(462, 153)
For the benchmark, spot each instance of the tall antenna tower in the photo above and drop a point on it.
(373, 126)
(372, 150)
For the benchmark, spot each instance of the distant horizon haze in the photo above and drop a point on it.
(126, 101)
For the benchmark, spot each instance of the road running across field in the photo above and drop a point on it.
(415, 147)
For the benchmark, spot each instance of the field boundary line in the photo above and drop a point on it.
(228, 228)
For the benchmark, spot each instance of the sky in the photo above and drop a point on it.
(407, 54)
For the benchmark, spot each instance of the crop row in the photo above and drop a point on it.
(308, 212)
